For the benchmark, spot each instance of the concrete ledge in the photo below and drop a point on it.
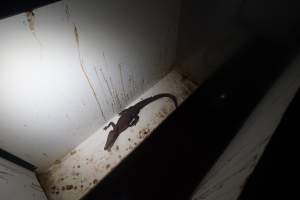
(77, 173)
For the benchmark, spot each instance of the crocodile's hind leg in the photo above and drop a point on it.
(110, 124)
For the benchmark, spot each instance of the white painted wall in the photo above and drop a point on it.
(17, 183)
(67, 68)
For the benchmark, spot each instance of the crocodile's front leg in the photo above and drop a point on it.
(110, 124)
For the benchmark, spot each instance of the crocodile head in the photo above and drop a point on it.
(111, 138)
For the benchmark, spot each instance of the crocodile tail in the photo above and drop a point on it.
(171, 96)
(145, 102)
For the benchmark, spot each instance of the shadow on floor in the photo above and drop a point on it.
(173, 160)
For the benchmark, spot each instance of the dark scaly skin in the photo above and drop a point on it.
(130, 117)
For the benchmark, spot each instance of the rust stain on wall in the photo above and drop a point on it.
(30, 20)
(76, 33)
(76, 36)
(31, 25)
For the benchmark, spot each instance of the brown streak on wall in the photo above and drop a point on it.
(76, 33)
